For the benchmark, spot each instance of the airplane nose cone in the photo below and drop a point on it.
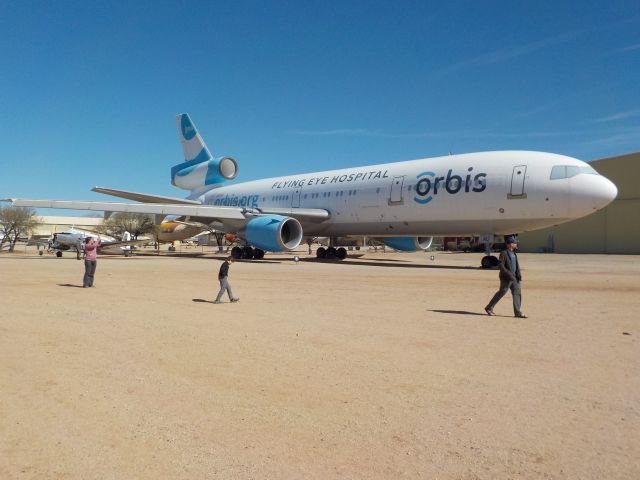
(608, 192)
(590, 193)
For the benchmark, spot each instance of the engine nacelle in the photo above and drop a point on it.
(273, 233)
(196, 173)
(408, 244)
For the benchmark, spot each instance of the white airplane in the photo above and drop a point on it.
(74, 239)
(404, 204)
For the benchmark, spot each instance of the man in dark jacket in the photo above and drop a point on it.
(223, 275)
(510, 278)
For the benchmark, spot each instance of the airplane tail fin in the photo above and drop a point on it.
(193, 146)
(199, 171)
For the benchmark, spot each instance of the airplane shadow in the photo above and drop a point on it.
(387, 263)
(69, 285)
(463, 312)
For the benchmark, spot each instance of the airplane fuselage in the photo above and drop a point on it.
(469, 194)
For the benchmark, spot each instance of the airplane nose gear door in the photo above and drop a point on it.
(517, 182)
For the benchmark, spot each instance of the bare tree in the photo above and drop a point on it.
(16, 222)
(134, 223)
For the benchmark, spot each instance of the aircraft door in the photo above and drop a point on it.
(517, 182)
(295, 198)
(395, 197)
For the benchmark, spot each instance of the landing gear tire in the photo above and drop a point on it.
(321, 252)
(247, 253)
(258, 254)
(40, 252)
(59, 254)
(489, 261)
(331, 253)
(341, 253)
(236, 252)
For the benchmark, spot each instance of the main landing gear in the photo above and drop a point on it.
(247, 253)
(331, 253)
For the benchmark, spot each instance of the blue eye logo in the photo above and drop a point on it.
(424, 186)
(188, 132)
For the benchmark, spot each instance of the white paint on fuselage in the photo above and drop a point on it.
(371, 204)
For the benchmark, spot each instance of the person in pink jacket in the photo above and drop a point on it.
(90, 260)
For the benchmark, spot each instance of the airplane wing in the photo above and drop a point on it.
(234, 216)
(39, 240)
(143, 197)
(128, 243)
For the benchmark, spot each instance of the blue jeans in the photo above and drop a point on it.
(89, 271)
(224, 285)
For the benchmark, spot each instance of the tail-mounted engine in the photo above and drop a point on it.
(194, 175)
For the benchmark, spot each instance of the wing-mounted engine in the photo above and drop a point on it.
(273, 233)
(408, 244)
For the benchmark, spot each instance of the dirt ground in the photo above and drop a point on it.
(378, 367)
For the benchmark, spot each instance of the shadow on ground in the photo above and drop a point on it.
(461, 312)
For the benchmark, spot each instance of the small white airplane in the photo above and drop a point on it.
(74, 240)
(403, 204)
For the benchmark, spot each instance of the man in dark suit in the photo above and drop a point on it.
(510, 278)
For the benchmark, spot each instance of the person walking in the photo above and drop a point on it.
(223, 278)
(90, 260)
(510, 278)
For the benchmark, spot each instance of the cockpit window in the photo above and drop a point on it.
(568, 171)
(558, 172)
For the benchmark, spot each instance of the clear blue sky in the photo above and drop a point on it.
(89, 90)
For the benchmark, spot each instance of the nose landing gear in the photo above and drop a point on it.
(489, 261)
